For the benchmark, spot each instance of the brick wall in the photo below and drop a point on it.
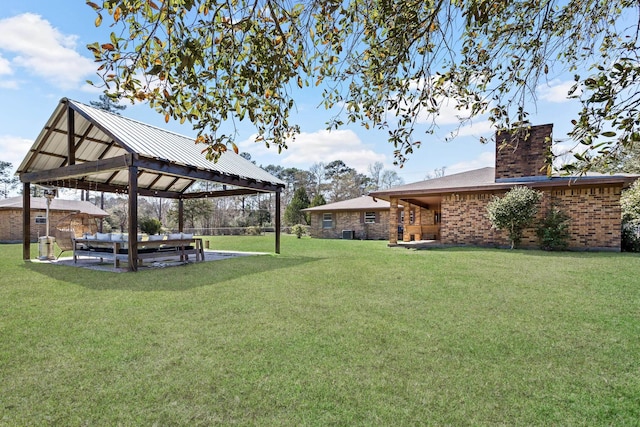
(524, 153)
(350, 220)
(11, 224)
(595, 218)
(596, 215)
(465, 221)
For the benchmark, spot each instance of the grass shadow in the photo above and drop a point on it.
(174, 278)
(574, 254)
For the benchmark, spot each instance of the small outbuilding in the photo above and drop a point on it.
(362, 218)
(11, 216)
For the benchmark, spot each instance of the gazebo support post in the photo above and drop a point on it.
(133, 218)
(180, 215)
(71, 136)
(278, 221)
(26, 221)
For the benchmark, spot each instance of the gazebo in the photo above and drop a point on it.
(86, 148)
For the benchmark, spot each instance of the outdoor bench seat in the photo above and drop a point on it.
(117, 251)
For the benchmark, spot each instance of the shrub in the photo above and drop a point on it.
(299, 230)
(514, 212)
(630, 204)
(253, 231)
(553, 230)
(630, 237)
(150, 225)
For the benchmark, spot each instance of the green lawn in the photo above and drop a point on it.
(327, 333)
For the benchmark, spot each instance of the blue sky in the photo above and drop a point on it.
(43, 58)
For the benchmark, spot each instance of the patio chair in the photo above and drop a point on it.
(73, 226)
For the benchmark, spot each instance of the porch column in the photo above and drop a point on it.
(407, 222)
(393, 221)
(417, 220)
(133, 219)
(26, 221)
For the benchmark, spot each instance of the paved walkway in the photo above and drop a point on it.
(107, 265)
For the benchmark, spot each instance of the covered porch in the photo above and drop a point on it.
(414, 219)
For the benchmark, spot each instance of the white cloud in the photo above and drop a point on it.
(556, 91)
(449, 113)
(14, 149)
(485, 159)
(565, 150)
(477, 129)
(321, 146)
(9, 84)
(42, 50)
(5, 66)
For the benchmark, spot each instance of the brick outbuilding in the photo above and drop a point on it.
(11, 216)
(359, 218)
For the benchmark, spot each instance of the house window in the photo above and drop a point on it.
(369, 217)
(41, 220)
(327, 220)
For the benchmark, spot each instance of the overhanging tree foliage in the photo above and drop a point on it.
(514, 212)
(385, 64)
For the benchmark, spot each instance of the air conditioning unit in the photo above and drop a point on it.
(348, 234)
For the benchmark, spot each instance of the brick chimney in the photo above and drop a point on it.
(523, 153)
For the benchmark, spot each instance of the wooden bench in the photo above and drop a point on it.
(116, 251)
(420, 232)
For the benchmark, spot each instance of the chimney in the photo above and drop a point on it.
(523, 152)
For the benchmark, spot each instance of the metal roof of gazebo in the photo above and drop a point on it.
(97, 153)
(91, 149)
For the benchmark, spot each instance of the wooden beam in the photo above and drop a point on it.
(77, 145)
(278, 222)
(175, 179)
(163, 166)
(71, 136)
(180, 215)
(133, 218)
(104, 130)
(73, 171)
(221, 193)
(86, 138)
(26, 221)
(34, 152)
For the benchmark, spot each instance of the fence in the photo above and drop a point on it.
(236, 231)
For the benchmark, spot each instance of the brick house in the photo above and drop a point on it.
(11, 216)
(452, 209)
(359, 218)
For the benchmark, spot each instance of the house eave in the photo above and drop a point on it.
(501, 185)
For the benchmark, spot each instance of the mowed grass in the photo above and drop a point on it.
(330, 332)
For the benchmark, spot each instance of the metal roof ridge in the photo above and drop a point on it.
(118, 116)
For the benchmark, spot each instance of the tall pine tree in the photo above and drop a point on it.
(293, 214)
